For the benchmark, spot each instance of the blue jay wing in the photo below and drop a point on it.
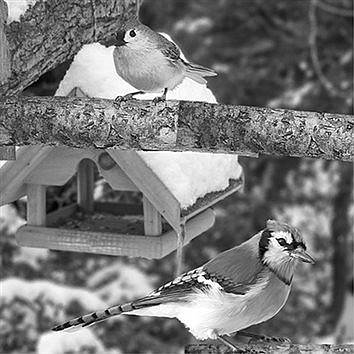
(179, 289)
(238, 269)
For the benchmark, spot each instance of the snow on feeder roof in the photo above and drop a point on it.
(178, 187)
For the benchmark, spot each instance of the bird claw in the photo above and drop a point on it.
(125, 98)
(158, 99)
(267, 339)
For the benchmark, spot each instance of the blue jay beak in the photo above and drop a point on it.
(302, 255)
(120, 39)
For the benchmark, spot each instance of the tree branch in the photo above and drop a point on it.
(52, 32)
(328, 85)
(334, 10)
(174, 125)
(270, 348)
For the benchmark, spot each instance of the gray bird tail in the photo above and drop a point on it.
(197, 72)
(94, 317)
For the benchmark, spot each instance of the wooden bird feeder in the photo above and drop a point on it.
(151, 230)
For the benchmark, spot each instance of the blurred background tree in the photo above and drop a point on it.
(288, 54)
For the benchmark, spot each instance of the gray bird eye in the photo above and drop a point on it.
(132, 33)
(281, 241)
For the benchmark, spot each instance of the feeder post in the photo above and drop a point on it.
(85, 185)
(152, 219)
(36, 204)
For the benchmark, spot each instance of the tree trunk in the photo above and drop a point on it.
(51, 32)
(341, 228)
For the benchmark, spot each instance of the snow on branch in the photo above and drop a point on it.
(50, 32)
(175, 126)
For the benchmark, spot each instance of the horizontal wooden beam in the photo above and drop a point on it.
(43, 38)
(175, 125)
(271, 349)
(111, 243)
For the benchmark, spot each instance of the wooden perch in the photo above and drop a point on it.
(51, 32)
(271, 349)
(174, 125)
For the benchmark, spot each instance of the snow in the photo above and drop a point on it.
(65, 342)
(30, 256)
(10, 220)
(119, 283)
(105, 82)
(57, 293)
(188, 175)
(17, 8)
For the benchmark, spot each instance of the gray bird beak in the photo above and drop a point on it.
(302, 255)
(120, 39)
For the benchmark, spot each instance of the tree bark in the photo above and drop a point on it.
(341, 228)
(51, 32)
(174, 125)
(270, 348)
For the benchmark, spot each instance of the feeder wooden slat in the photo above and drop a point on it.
(59, 166)
(61, 214)
(111, 243)
(148, 183)
(118, 208)
(13, 173)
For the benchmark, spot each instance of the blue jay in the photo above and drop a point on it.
(150, 62)
(240, 287)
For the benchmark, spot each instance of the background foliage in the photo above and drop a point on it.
(289, 54)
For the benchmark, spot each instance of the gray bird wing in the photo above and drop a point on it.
(168, 49)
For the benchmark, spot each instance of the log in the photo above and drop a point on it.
(52, 32)
(270, 348)
(7, 152)
(175, 126)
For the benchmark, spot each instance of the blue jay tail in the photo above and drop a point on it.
(197, 72)
(94, 317)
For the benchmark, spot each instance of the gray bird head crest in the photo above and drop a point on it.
(133, 34)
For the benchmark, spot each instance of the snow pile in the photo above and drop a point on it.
(93, 71)
(188, 175)
(10, 220)
(119, 283)
(60, 294)
(30, 256)
(83, 341)
(17, 8)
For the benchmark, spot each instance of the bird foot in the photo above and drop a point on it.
(262, 338)
(159, 99)
(120, 99)
(127, 97)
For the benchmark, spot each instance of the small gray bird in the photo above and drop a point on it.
(243, 286)
(150, 62)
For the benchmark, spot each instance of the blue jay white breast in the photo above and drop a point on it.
(150, 62)
(243, 286)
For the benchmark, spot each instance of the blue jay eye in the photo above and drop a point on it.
(132, 33)
(281, 241)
